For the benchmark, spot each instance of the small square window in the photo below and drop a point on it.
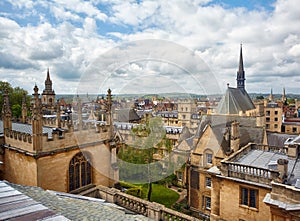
(276, 112)
(275, 125)
(294, 129)
(276, 119)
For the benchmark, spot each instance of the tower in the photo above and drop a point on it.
(37, 124)
(240, 79)
(48, 95)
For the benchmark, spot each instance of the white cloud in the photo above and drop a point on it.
(271, 39)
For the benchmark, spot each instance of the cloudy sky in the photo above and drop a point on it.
(150, 46)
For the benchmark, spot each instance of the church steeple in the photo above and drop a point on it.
(48, 83)
(283, 98)
(240, 79)
(48, 95)
(271, 97)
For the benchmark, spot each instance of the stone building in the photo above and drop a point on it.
(55, 158)
(258, 182)
(236, 123)
(273, 117)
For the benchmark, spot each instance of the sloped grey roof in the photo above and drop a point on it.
(249, 132)
(76, 207)
(16, 205)
(127, 115)
(235, 100)
(276, 139)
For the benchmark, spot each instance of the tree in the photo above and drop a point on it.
(16, 110)
(136, 161)
(15, 97)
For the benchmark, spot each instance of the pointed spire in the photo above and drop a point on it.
(241, 73)
(241, 63)
(48, 75)
(271, 97)
(283, 98)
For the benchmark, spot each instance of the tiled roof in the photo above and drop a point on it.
(75, 207)
(17, 206)
(234, 101)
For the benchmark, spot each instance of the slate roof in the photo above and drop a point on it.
(68, 206)
(260, 158)
(276, 139)
(127, 115)
(25, 128)
(14, 205)
(233, 101)
(220, 123)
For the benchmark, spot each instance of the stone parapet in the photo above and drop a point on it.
(152, 210)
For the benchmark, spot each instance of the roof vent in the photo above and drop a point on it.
(272, 165)
(297, 184)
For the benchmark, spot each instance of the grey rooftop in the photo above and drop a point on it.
(28, 199)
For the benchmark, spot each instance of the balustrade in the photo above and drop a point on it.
(241, 171)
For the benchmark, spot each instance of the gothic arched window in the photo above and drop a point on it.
(80, 171)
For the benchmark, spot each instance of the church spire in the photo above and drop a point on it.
(283, 98)
(240, 79)
(48, 82)
(271, 97)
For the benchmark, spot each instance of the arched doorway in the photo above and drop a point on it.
(80, 171)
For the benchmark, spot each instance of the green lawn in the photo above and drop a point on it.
(163, 195)
(160, 193)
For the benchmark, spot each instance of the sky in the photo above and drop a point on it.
(150, 46)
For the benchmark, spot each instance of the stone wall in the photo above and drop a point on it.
(230, 207)
(53, 169)
(20, 168)
(155, 211)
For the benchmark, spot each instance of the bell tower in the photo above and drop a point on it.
(48, 95)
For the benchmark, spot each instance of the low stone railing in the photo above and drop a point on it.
(251, 173)
(273, 149)
(152, 210)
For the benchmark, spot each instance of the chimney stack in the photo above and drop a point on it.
(282, 167)
(235, 136)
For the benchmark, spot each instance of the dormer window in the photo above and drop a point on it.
(207, 158)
